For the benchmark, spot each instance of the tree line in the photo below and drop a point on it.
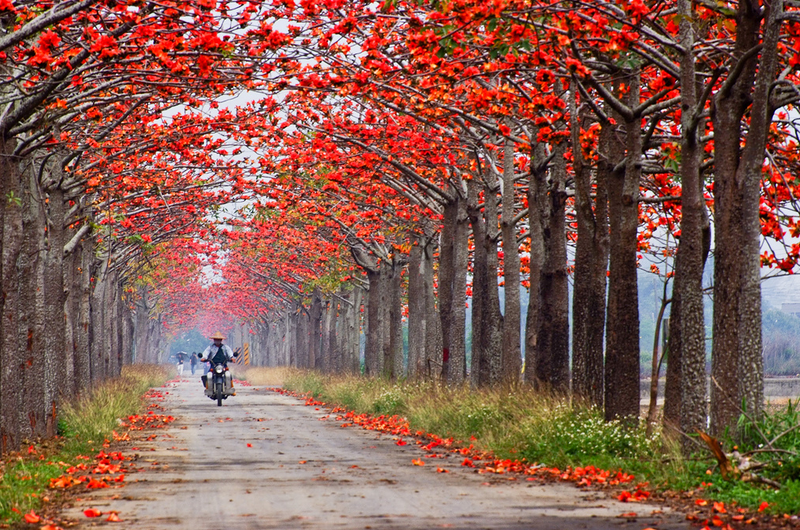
(534, 143)
(391, 162)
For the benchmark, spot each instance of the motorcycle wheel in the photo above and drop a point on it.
(219, 394)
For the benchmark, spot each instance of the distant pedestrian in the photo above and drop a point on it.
(181, 357)
(193, 361)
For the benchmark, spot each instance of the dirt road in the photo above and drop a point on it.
(267, 461)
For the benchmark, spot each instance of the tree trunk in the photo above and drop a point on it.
(553, 345)
(31, 275)
(537, 189)
(127, 330)
(338, 336)
(99, 329)
(434, 340)
(423, 320)
(479, 369)
(395, 307)
(591, 264)
(290, 344)
(457, 366)
(688, 351)
(83, 338)
(512, 356)
(70, 277)
(141, 324)
(374, 346)
(356, 325)
(296, 347)
(10, 359)
(487, 320)
(55, 346)
(350, 327)
(387, 359)
(737, 364)
(445, 283)
(315, 324)
(622, 333)
(327, 364)
(416, 311)
(113, 332)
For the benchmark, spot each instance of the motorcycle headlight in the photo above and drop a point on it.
(218, 368)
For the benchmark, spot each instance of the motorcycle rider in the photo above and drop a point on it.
(216, 353)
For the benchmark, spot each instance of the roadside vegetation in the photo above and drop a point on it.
(263, 376)
(84, 426)
(521, 424)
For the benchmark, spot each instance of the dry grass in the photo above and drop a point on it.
(511, 421)
(95, 414)
(263, 376)
(84, 424)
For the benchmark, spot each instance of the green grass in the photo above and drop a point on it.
(83, 427)
(519, 423)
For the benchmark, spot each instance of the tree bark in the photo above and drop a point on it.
(446, 274)
(30, 271)
(622, 332)
(479, 367)
(70, 281)
(417, 322)
(495, 319)
(537, 190)
(457, 367)
(387, 359)
(434, 341)
(553, 345)
(687, 317)
(512, 356)
(315, 325)
(373, 352)
(395, 307)
(737, 364)
(356, 326)
(83, 340)
(113, 332)
(55, 346)
(591, 264)
(99, 329)
(329, 311)
(10, 359)
(487, 320)
(338, 331)
(298, 337)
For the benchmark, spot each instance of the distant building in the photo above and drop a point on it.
(791, 308)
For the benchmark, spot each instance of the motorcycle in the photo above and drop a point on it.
(219, 384)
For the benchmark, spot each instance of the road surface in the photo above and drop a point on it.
(267, 461)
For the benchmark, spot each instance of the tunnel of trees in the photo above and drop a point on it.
(302, 174)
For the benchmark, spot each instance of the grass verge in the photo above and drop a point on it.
(521, 424)
(84, 426)
(261, 375)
